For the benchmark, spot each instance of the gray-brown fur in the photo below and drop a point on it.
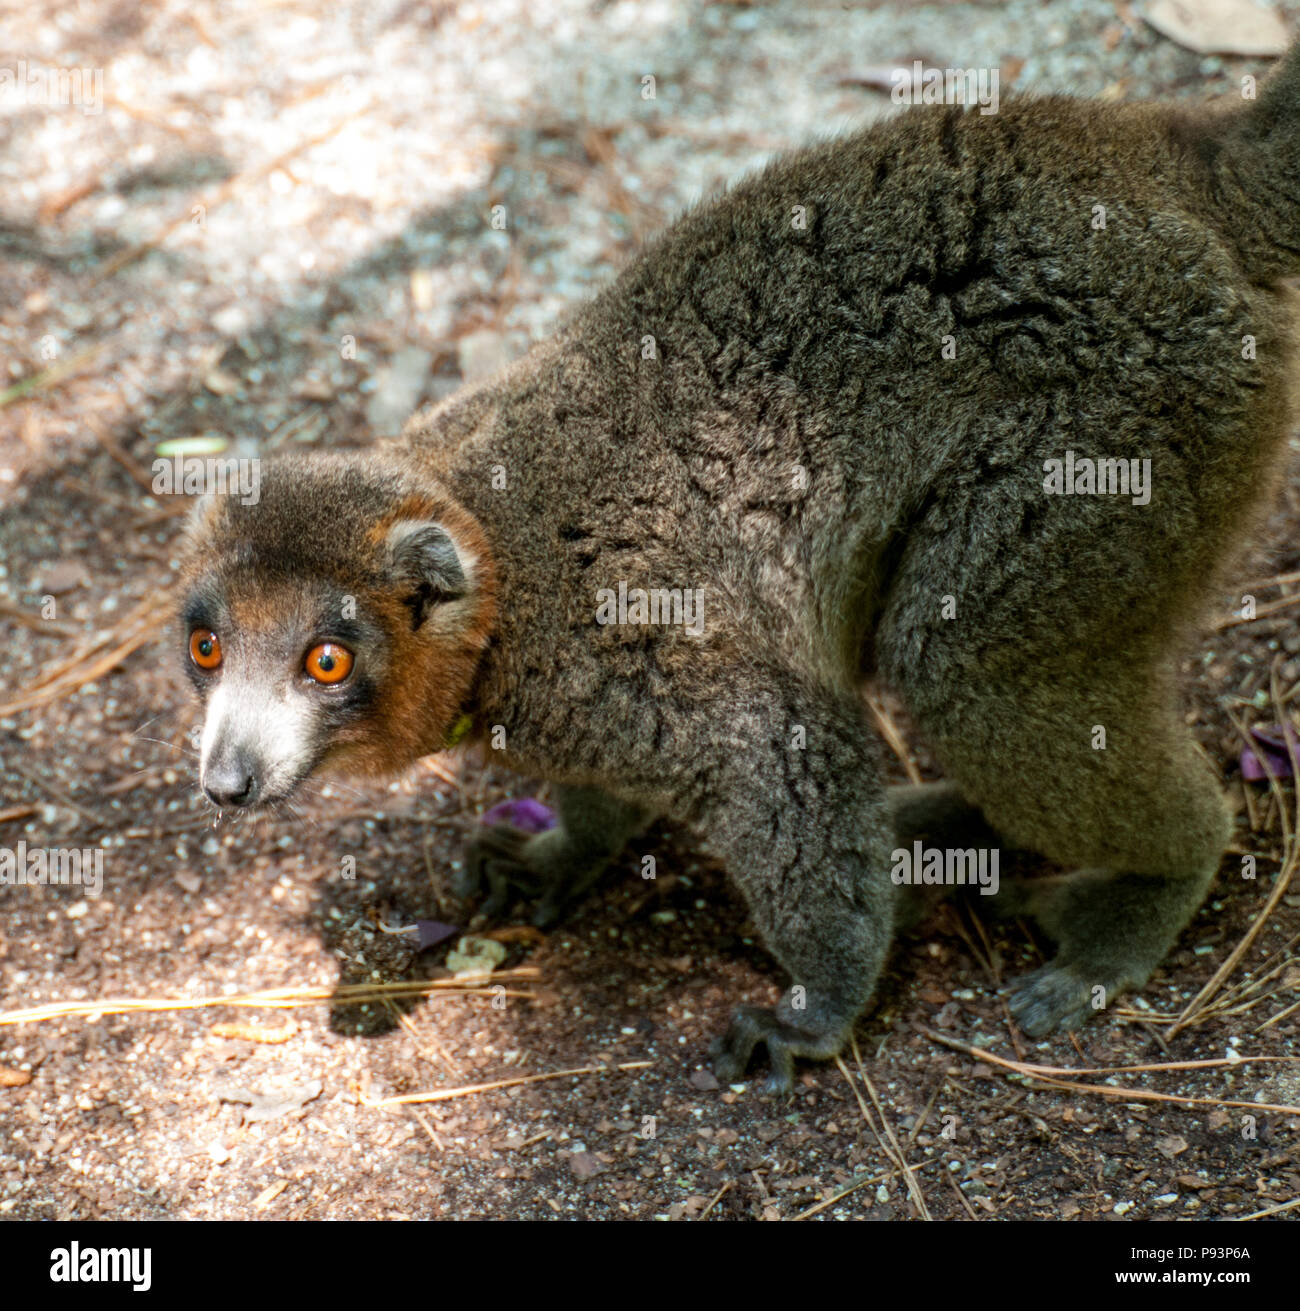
(798, 447)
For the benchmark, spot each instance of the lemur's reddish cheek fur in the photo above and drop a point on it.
(412, 713)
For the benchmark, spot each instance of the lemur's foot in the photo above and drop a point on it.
(1057, 998)
(751, 1025)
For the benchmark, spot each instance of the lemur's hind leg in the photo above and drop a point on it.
(1140, 822)
(1032, 647)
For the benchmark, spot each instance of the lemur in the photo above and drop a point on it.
(833, 404)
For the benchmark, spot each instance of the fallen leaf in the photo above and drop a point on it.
(255, 1032)
(1191, 1182)
(1270, 749)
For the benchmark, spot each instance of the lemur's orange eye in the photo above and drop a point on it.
(329, 662)
(205, 650)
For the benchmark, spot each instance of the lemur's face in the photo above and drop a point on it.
(336, 623)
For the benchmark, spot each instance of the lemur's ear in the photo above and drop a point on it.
(424, 558)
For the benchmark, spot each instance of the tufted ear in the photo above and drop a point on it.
(424, 558)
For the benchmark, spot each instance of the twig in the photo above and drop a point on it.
(272, 998)
(717, 1197)
(1121, 1094)
(113, 447)
(67, 682)
(48, 627)
(60, 795)
(961, 1197)
(428, 1128)
(861, 1181)
(446, 1094)
(888, 1143)
(1263, 612)
(1026, 1067)
(925, 1114)
(48, 377)
(889, 731)
(1272, 1210)
(150, 607)
(1277, 580)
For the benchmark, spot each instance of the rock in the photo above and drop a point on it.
(584, 1165)
(483, 353)
(231, 321)
(60, 576)
(1219, 27)
(398, 389)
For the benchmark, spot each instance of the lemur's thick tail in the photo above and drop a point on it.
(1255, 159)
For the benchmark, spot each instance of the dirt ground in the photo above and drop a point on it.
(278, 232)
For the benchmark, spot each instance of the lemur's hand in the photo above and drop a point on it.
(496, 861)
(544, 866)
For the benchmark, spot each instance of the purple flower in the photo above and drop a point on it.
(428, 933)
(1269, 749)
(527, 814)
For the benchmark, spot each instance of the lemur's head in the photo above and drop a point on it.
(337, 621)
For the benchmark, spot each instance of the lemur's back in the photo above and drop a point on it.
(883, 339)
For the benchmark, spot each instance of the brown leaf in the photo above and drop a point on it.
(515, 933)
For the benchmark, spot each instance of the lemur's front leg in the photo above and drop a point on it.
(794, 806)
(556, 866)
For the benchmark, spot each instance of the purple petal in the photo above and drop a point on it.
(428, 933)
(1253, 760)
(526, 814)
(1272, 737)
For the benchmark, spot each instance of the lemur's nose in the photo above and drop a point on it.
(231, 781)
